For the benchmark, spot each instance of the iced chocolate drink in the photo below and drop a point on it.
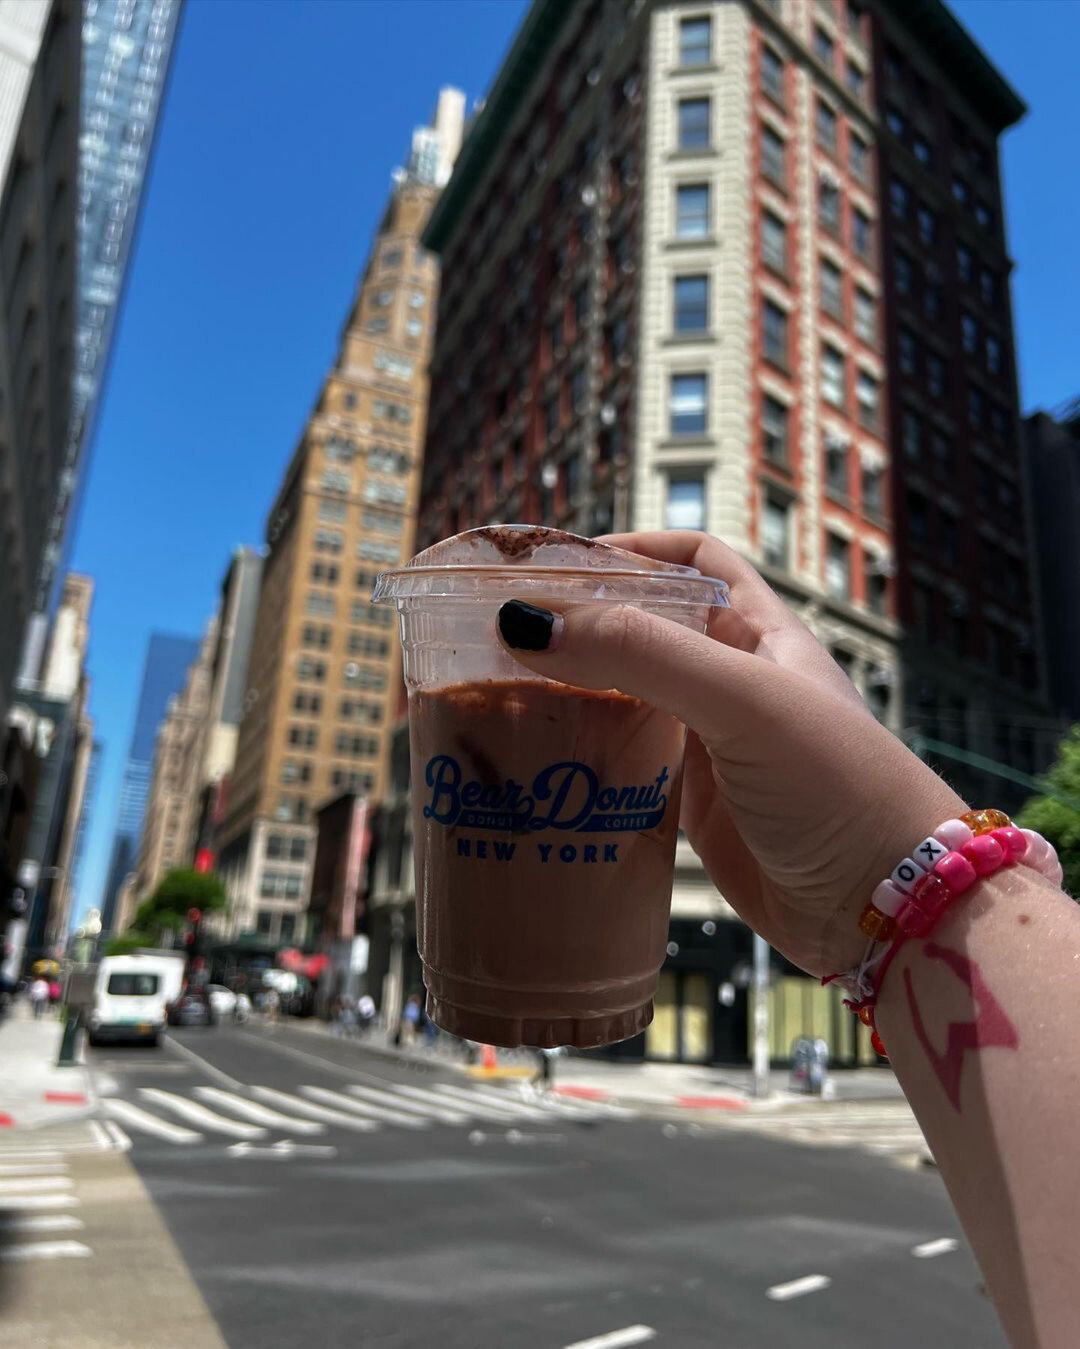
(544, 816)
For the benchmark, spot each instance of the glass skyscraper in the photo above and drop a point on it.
(167, 661)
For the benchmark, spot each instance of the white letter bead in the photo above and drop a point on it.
(888, 899)
(928, 852)
(906, 874)
(954, 834)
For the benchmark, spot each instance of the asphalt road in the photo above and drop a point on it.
(496, 1229)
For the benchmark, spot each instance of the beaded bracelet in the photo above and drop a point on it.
(910, 903)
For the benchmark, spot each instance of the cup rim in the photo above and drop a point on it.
(394, 585)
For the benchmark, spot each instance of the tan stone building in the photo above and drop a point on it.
(324, 667)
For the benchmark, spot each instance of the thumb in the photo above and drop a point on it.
(710, 687)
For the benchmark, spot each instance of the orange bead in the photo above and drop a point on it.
(983, 821)
(875, 924)
(866, 1016)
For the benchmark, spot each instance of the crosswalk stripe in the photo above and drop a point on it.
(320, 1112)
(475, 1109)
(44, 1222)
(126, 1112)
(33, 1155)
(33, 1169)
(379, 1112)
(32, 1201)
(35, 1184)
(45, 1250)
(199, 1114)
(258, 1114)
(445, 1115)
(471, 1098)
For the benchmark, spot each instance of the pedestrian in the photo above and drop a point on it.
(801, 804)
(39, 996)
(347, 1016)
(54, 994)
(271, 1005)
(410, 1020)
(365, 1012)
(545, 1069)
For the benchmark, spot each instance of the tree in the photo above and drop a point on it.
(126, 942)
(179, 891)
(1056, 814)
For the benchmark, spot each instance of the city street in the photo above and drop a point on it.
(314, 1187)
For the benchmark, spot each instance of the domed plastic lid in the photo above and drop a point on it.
(529, 559)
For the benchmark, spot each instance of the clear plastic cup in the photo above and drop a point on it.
(544, 816)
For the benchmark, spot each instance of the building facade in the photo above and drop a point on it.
(126, 52)
(669, 301)
(164, 671)
(324, 662)
(39, 129)
(1052, 453)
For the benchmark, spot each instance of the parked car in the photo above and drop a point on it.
(228, 1005)
(192, 1008)
(131, 996)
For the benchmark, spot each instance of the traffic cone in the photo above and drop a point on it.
(488, 1058)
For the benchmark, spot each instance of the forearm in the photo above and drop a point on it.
(980, 1024)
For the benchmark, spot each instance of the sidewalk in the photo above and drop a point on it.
(681, 1086)
(33, 1091)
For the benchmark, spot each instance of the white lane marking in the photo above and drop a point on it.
(32, 1201)
(299, 1106)
(35, 1184)
(198, 1114)
(45, 1250)
(810, 1283)
(928, 1249)
(471, 1097)
(136, 1118)
(380, 1112)
(45, 1222)
(474, 1110)
(33, 1169)
(285, 1147)
(424, 1112)
(104, 1142)
(120, 1141)
(33, 1155)
(258, 1114)
(617, 1339)
(207, 1067)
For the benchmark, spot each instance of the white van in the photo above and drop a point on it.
(131, 995)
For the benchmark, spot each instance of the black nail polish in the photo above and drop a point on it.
(525, 627)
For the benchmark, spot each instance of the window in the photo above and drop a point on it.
(416, 299)
(866, 394)
(551, 415)
(858, 156)
(329, 540)
(693, 123)
(775, 532)
(772, 74)
(688, 404)
(685, 501)
(856, 21)
(829, 206)
(695, 41)
(333, 512)
(922, 151)
(774, 431)
(837, 567)
(578, 389)
(856, 78)
(318, 604)
(894, 120)
(873, 491)
(414, 327)
(943, 450)
(988, 287)
(899, 198)
(969, 333)
(932, 301)
(774, 242)
(976, 407)
(908, 351)
(935, 375)
(984, 217)
(772, 156)
(836, 467)
(832, 376)
(692, 210)
(960, 190)
(832, 293)
(383, 298)
(825, 126)
(861, 238)
(927, 225)
(1000, 422)
(691, 304)
(918, 513)
(993, 355)
(774, 339)
(865, 316)
(132, 985)
(964, 266)
(823, 47)
(911, 434)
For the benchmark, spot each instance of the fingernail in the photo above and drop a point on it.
(526, 627)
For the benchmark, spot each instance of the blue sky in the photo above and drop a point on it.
(283, 122)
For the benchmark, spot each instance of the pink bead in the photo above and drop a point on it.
(1037, 848)
(954, 834)
(957, 872)
(932, 894)
(984, 853)
(913, 920)
(888, 899)
(1055, 875)
(1013, 843)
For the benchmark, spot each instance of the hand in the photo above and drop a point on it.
(795, 798)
